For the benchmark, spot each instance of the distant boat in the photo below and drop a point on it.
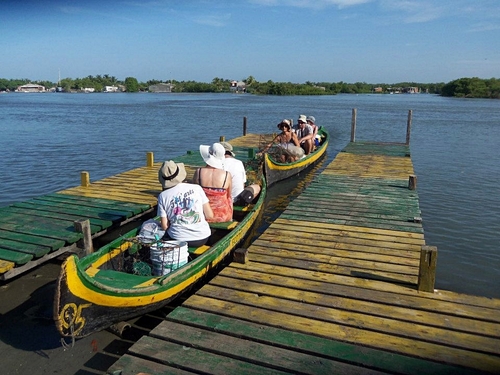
(276, 171)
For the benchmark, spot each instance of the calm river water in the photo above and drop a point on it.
(48, 139)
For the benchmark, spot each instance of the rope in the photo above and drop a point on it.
(63, 342)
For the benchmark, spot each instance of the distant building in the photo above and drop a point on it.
(238, 86)
(31, 87)
(110, 89)
(161, 87)
(377, 89)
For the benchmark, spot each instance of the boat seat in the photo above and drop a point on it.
(228, 225)
(248, 207)
(120, 279)
(198, 250)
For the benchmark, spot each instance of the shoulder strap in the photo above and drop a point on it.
(199, 176)
(225, 178)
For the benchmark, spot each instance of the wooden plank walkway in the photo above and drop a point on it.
(331, 287)
(42, 228)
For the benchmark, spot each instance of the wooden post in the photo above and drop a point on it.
(85, 179)
(240, 255)
(245, 125)
(83, 226)
(222, 138)
(408, 127)
(353, 125)
(427, 270)
(150, 159)
(412, 182)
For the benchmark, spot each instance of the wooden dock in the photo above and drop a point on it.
(334, 285)
(45, 227)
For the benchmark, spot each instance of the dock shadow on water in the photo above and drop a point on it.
(29, 341)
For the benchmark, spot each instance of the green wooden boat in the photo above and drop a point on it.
(276, 171)
(108, 286)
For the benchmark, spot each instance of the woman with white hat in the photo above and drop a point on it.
(183, 207)
(216, 182)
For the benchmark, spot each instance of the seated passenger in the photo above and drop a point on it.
(305, 135)
(288, 143)
(183, 208)
(312, 122)
(216, 182)
(236, 168)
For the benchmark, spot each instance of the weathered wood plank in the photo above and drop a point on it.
(194, 359)
(393, 257)
(14, 256)
(482, 308)
(6, 265)
(17, 214)
(368, 273)
(322, 347)
(278, 316)
(131, 365)
(253, 352)
(378, 303)
(37, 229)
(52, 243)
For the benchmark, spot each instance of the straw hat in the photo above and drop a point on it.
(228, 148)
(171, 174)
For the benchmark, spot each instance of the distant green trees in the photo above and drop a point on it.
(131, 84)
(472, 88)
(463, 87)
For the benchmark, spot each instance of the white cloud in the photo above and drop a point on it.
(312, 4)
(216, 20)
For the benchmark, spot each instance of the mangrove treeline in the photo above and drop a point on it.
(463, 87)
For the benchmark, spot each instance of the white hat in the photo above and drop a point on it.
(228, 148)
(303, 118)
(171, 174)
(213, 155)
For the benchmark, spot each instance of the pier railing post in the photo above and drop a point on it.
(85, 179)
(408, 126)
(245, 125)
(83, 226)
(427, 269)
(412, 182)
(150, 159)
(353, 125)
(222, 138)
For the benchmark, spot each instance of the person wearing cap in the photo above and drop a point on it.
(312, 122)
(216, 182)
(305, 134)
(288, 142)
(183, 207)
(236, 168)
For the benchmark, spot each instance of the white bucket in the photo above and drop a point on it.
(167, 256)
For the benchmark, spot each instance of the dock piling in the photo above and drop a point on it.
(412, 182)
(240, 255)
(150, 159)
(353, 124)
(244, 125)
(408, 127)
(85, 179)
(83, 226)
(427, 269)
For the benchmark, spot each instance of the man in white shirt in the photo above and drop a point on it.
(236, 168)
(305, 134)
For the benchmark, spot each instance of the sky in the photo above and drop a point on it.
(373, 41)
